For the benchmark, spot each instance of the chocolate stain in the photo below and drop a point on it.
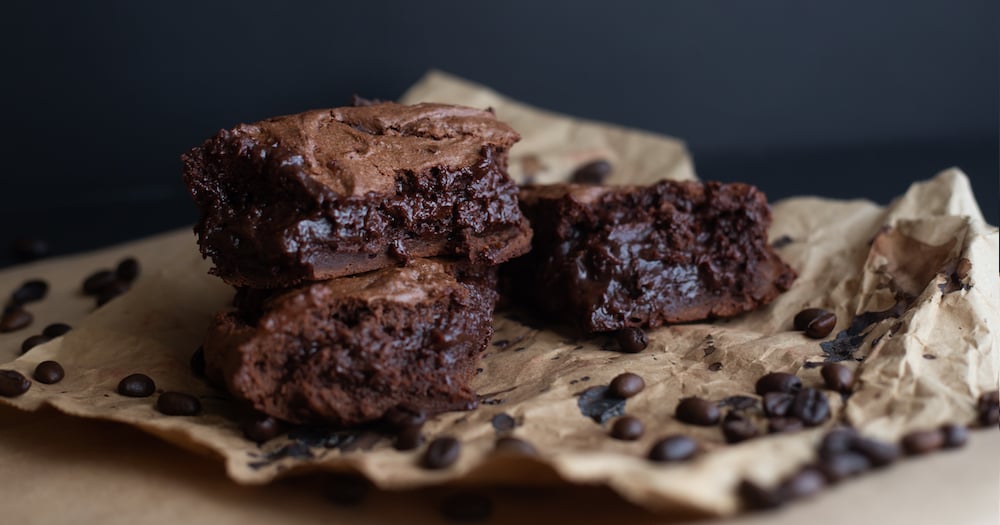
(597, 404)
(842, 347)
(781, 242)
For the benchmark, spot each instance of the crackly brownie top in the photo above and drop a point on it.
(356, 150)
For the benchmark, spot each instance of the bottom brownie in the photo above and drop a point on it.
(347, 350)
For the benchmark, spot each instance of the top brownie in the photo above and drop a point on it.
(336, 192)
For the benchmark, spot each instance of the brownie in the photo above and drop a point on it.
(346, 350)
(604, 258)
(337, 192)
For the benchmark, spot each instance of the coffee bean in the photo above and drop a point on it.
(737, 430)
(990, 417)
(32, 342)
(30, 291)
(409, 438)
(810, 405)
(591, 173)
(197, 362)
(515, 445)
(697, 411)
(837, 377)
(836, 441)
(815, 322)
(15, 319)
(780, 425)
(778, 382)
(627, 428)
(136, 385)
(404, 415)
(28, 249)
(346, 489)
(632, 340)
(922, 441)
(127, 270)
(97, 281)
(111, 291)
(843, 465)
(441, 453)
(955, 436)
(756, 497)
(467, 506)
(988, 408)
(49, 372)
(56, 330)
(261, 428)
(804, 483)
(777, 404)
(178, 404)
(673, 448)
(626, 385)
(13, 383)
(879, 453)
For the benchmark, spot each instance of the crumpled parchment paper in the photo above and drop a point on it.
(924, 341)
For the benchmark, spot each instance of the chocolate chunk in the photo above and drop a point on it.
(97, 281)
(441, 453)
(127, 270)
(136, 385)
(922, 441)
(55, 330)
(261, 428)
(467, 507)
(780, 425)
(756, 497)
(15, 319)
(810, 406)
(737, 430)
(673, 448)
(777, 404)
(197, 362)
(697, 411)
(32, 342)
(515, 445)
(843, 465)
(627, 428)
(49, 372)
(403, 416)
(13, 383)
(879, 453)
(591, 173)
(28, 249)
(815, 322)
(409, 438)
(804, 483)
(955, 436)
(503, 422)
(626, 385)
(837, 377)
(778, 382)
(111, 291)
(30, 291)
(598, 404)
(632, 340)
(178, 404)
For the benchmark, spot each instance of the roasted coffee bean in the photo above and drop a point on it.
(836, 441)
(111, 291)
(346, 489)
(13, 383)
(136, 385)
(178, 404)
(467, 506)
(626, 385)
(756, 497)
(737, 430)
(837, 377)
(515, 445)
(988, 407)
(843, 465)
(697, 411)
(804, 483)
(780, 425)
(673, 448)
(97, 281)
(778, 382)
(197, 362)
(56, 330)
(127, 270)
(404, 415)
(15, 319)
(441, 453)
(591, 173)
(879, 453)
(627, 428)
(815, 322)
(32, 342)
(810, 405)
(49, 372)
(632, 340)
(955, 436)
(922, 441)
(28, 249)
(261, 428)
(409, 438)
(777, 404)
(30, 291)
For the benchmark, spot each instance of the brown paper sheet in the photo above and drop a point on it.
(920, 368)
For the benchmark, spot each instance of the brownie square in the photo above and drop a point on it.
(337, 192)
(347, 350)
(604, 258)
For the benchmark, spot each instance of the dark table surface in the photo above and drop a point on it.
(852, 99)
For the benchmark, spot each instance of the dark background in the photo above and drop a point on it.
(847, 99)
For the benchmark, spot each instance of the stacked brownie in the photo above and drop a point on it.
(363, 242)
